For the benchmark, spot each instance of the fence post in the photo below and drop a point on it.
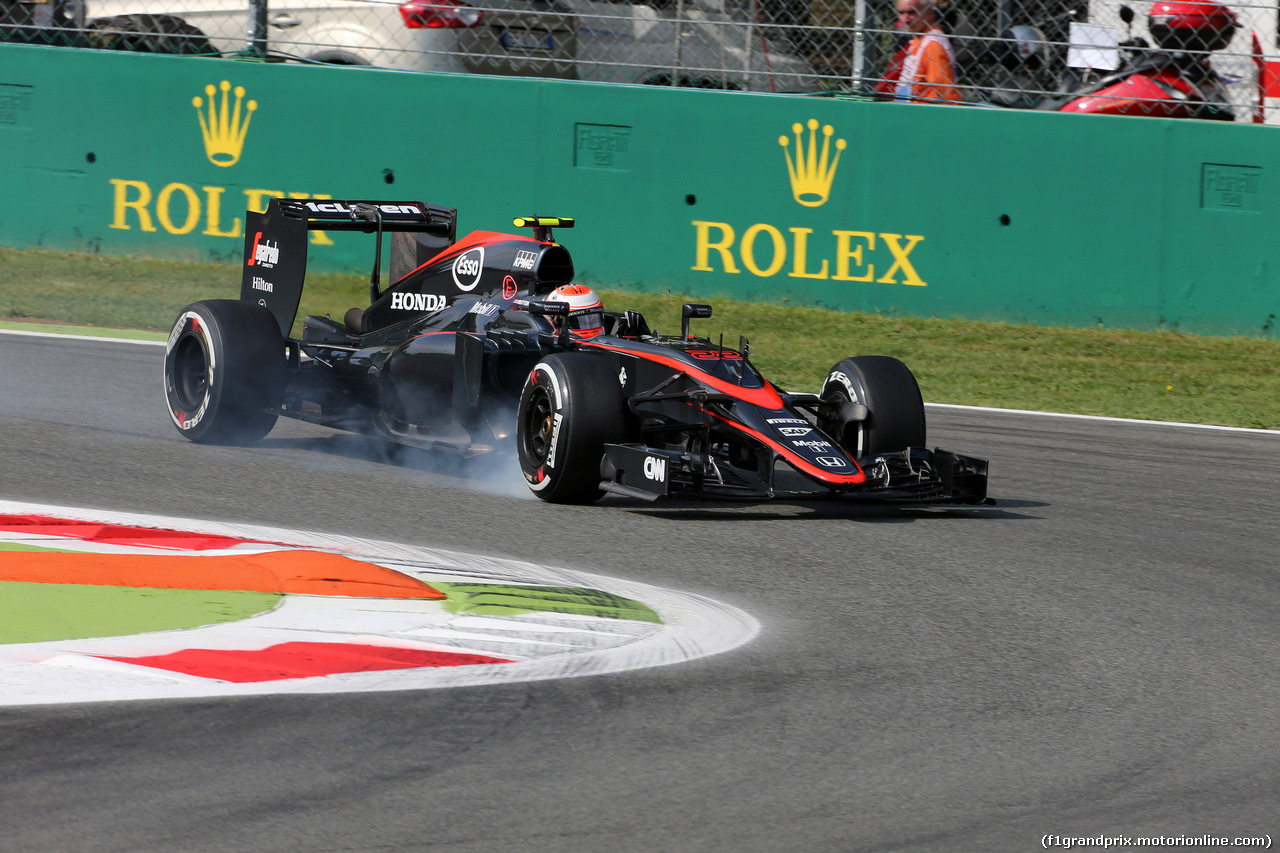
(866, 49)
(258, 28)
(679, 45)
(859, 45)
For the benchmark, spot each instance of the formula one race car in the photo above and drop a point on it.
(484, 342)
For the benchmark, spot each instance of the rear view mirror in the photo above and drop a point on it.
(692, 310)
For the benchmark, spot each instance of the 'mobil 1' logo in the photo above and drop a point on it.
(846, 255)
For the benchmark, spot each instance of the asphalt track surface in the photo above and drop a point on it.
(1096, 655)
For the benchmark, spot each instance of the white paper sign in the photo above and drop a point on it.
(1094, 47)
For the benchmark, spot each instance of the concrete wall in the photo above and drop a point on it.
(930, 211)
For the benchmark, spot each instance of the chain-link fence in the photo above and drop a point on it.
(1180, 59)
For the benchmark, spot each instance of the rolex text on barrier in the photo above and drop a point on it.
(767, 250)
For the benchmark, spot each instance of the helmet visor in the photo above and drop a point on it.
(587, 325)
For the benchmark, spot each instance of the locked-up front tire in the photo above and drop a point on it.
(224, 371)
(894, 418)
(570, 407)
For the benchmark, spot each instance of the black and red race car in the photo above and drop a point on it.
(482, 343)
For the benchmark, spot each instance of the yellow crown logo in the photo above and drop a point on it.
(223, 129)
(811, 173)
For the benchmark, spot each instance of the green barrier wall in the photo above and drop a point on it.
(930, 211)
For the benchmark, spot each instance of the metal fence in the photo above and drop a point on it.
(1089, 56)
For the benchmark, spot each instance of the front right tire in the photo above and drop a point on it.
(895, 408)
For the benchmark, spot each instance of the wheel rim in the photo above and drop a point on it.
(849, 435)
(190, 372)
(539, 425)
(831, 423)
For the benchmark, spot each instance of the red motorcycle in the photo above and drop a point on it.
(1023, 69)
(1176, 81)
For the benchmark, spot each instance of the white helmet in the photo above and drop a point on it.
(586, 311)
(1024, 45)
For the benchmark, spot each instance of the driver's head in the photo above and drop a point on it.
(586, 311)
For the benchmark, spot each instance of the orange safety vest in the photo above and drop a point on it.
(928, 73)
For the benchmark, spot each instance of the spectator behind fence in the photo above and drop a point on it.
(928, 70)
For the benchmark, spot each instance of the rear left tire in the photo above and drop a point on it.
(224, 370)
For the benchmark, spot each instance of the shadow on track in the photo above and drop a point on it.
(822, 511)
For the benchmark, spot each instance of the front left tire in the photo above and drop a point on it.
(570, 407)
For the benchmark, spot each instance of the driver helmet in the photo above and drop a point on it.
(586, 311)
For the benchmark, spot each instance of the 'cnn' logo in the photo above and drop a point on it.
(655, 468)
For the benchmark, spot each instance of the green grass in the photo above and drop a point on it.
(37, 612)
(1114, 372)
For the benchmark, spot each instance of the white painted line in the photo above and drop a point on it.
(1099, 418)
(82, 337)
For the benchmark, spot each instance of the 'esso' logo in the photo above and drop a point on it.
(466, 268)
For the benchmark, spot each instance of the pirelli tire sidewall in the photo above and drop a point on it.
(570, 407)
(224, 372)
(895, 408)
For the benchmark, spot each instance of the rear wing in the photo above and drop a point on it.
(275, 242)
(326, 215)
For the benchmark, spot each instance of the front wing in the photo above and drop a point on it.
(912, 476)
